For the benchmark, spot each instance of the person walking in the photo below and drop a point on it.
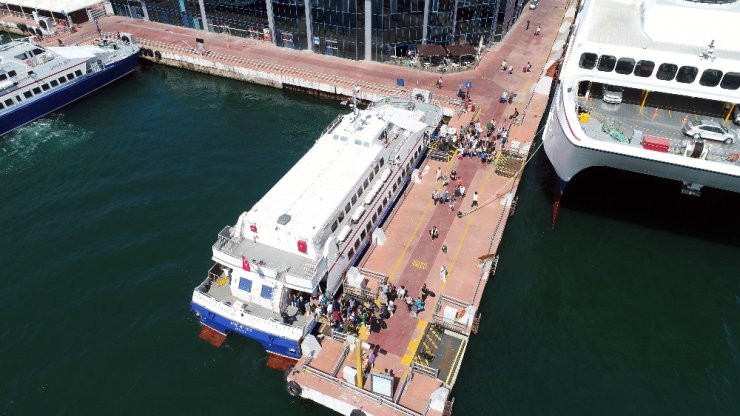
(527, 28)
(434, 233)
(475, 200)
(439, 174)
(443, 273)
(537, 31)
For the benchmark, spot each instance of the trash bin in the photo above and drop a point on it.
(583, 117)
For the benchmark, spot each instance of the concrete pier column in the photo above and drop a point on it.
(425, 28)
(146, 12)
(368, 30)
(309, 25)
(271, 21)
(203, 15)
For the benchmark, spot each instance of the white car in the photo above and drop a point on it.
(710, 130)
(612, 94)
(533, 4)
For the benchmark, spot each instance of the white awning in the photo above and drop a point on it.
(358, 213)
(344, 233)
(68, 6)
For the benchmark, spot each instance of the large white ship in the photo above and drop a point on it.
(304, 234)
(650, 86)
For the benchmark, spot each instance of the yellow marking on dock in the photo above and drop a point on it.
(464, 235)
(454, 362)
(413, 235)
(421, 327)
(419, 264)
(364, 332)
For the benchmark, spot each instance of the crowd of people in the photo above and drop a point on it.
(346, 313)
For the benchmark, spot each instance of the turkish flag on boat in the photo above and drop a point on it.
(245, 264)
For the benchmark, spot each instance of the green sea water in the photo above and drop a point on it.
(109, 208)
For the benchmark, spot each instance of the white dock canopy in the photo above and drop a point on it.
(57, 6)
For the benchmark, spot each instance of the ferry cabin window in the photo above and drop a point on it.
(364, 185)
(346, 209)
(731, 81)
(18, 98)
(625, 66)
(588, 60)
(377, 168)
(359, 192)
(11, 73)
(372, 175)
(28, 94)
(644, 68)
(45, 87)
(62, 80)
(398, 182)
(382, 162)
(54, 83)
(354, 199)
(375, 217)
(385, 201)
(70, 77)
(266, 292)
(369, 226)
(363, 234)
(351, 253)
(666, 72)
(357, 244)
(2, 106)
(245, 284)
(687, 74)
(606, 63)
(341, 216)
(395, 187)
(9, 102)
(710, 77)
(78, 73)
(379, 210)
(3, 77)
(334, 226)
(37, 90)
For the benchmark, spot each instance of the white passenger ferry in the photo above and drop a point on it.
(650, 86)
(37, 80)
(312, 225)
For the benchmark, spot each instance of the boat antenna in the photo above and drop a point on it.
(709, 54)
(355, 95)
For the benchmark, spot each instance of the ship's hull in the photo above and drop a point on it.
(273, 343)
(64, 96)
(570, 152)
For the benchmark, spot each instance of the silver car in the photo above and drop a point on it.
(710, 130)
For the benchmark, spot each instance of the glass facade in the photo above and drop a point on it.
(398, 26)
(475, 20)
(245, 18)
(338, 27)
(175, 12)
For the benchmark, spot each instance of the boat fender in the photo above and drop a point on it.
(294, 389)
(158, 55)
(357, 412)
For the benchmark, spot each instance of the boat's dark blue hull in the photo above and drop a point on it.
(65, 95)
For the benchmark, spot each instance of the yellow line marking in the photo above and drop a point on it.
(413, 235)
(414, 343)
(457, 357)
(462, 239)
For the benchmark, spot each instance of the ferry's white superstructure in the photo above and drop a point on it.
(313, 224)
(677, 62)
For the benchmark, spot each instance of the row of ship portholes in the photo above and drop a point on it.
(665, 72)
(150, 53)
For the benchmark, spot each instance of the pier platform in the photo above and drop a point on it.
(423, 352)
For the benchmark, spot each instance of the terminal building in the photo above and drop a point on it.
(377, 30)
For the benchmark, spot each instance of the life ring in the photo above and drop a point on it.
(357, 412)
(158, 55)
(294, 389)
(733, 157)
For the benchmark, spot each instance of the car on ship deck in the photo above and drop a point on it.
(710, 130)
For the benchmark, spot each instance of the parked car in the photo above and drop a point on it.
(612, 94)
(710, 130)
(736, 114)
(533, 4)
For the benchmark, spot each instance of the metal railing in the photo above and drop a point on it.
(420, 368)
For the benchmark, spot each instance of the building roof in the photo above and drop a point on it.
(431, 50)
(68, 6)
(461, 50)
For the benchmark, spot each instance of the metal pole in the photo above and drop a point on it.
(271, 21)
(369, 30)
(358, 349)
(203, 15)
(425, 28)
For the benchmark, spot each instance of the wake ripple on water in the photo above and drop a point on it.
(29, 145)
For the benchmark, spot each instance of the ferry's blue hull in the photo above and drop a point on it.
(66, 95)
(273, 344)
